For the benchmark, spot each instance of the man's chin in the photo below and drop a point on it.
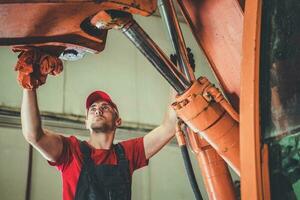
(99, 131)
(101, 128)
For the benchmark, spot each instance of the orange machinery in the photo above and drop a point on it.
(223, 128)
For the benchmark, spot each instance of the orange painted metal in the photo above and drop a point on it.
(203, 115)
(217, 27)
(215, 173)
(107, 19)
(48, 24)
(251, 173)
(59, 24)
(219, 98)
(179, 135)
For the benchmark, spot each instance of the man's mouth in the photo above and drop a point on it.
(99, 117)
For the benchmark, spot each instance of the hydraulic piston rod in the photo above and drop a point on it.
(168, 13)
(155, 55)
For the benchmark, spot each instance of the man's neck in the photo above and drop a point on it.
(101, 140)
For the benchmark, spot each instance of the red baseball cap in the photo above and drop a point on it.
(99, 95)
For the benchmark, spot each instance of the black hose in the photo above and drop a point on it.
(29, 172)
(190, 172)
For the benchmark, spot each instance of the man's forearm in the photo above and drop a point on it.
(161, 135)
(30, 116)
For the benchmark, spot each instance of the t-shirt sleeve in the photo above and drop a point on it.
(65, 157)
(135, 153)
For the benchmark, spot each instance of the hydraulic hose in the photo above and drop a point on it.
(187, 162)
(190, 172)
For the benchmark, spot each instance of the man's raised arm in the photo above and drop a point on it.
(48, 144)
(33, 68)
(161, 135)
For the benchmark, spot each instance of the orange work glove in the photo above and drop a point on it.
(34, 66)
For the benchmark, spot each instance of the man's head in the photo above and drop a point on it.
(102, 113)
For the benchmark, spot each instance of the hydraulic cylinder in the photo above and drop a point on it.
(198, 109)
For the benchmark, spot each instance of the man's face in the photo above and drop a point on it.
(102, 117)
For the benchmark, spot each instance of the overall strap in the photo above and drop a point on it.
(120, 153)
(86, 186)
(88, 167)
(86, 151)
(123, 162)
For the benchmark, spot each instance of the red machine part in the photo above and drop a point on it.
(218, 27)
(208, 118)
(59, 25)
(215, 173)
(214, 170)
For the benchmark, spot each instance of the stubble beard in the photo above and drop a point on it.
(100, 127)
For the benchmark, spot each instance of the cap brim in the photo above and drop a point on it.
(99, 95)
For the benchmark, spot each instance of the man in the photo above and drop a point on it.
(94, 169)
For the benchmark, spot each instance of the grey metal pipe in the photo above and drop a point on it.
(156, 56)
(168, 13)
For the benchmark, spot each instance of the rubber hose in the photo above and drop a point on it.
(190, 172)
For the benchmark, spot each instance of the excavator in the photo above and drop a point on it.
(250, 124)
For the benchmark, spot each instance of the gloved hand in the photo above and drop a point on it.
(34, 66)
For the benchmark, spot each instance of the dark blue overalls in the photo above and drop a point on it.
(104, 182)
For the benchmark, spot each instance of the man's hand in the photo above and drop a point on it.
(34, 66)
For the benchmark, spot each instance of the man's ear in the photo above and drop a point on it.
(118, 122)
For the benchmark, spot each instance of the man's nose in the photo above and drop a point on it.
(99, 111)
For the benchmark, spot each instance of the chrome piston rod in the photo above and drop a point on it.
(168, 13)
(156, 56)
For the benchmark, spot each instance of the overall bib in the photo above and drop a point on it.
(104, 182)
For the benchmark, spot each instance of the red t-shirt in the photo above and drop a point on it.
(70, 161)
